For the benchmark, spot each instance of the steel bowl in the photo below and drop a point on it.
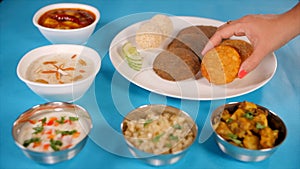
(43, 109)
(158, 159)
(244, 154)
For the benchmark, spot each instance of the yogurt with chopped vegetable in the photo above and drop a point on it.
(52, 132)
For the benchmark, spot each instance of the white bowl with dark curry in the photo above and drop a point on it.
(67, 22)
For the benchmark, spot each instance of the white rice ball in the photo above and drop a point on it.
(164, 23)
(149, 35)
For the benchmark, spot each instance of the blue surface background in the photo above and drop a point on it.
(18, 36)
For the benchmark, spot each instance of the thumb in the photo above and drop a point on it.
(251, 63)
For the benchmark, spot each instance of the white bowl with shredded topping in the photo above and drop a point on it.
(61, 72)
(159, 134)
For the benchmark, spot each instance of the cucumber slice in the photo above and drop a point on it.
(135, 66)
(129, 49)
(132, 56)
(139, 60)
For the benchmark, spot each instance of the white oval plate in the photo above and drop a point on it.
(190, 89)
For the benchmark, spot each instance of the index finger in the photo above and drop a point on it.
(224, 32)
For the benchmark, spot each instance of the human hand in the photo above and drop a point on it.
(266, 33)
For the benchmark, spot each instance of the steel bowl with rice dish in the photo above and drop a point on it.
(159, 134)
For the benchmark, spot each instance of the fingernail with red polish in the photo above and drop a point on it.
(242, 74)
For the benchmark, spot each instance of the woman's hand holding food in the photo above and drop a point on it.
(266, 33)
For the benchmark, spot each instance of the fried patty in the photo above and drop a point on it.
(182, 58)
(177, 64)
(193, 38)
(221, 65)
(208, 31)
(244, 48)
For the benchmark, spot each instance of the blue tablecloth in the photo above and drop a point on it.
(115, 96)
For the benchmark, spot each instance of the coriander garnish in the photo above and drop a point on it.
(260, 126)
(73, 118)
(229, 120)
(65, 132)
(234, 138)
(248, 115)
(62, 120)
(38, 129)
(148, 121)
(156, 138)
(32, 140)
(177, 126)
(172, 137)
(55, 144)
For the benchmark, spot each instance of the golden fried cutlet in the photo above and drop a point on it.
(244, 48)
(221, 64)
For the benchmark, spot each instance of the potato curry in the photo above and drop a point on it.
(247, 127)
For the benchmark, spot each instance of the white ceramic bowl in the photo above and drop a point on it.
(67, 92)
(73, 36)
